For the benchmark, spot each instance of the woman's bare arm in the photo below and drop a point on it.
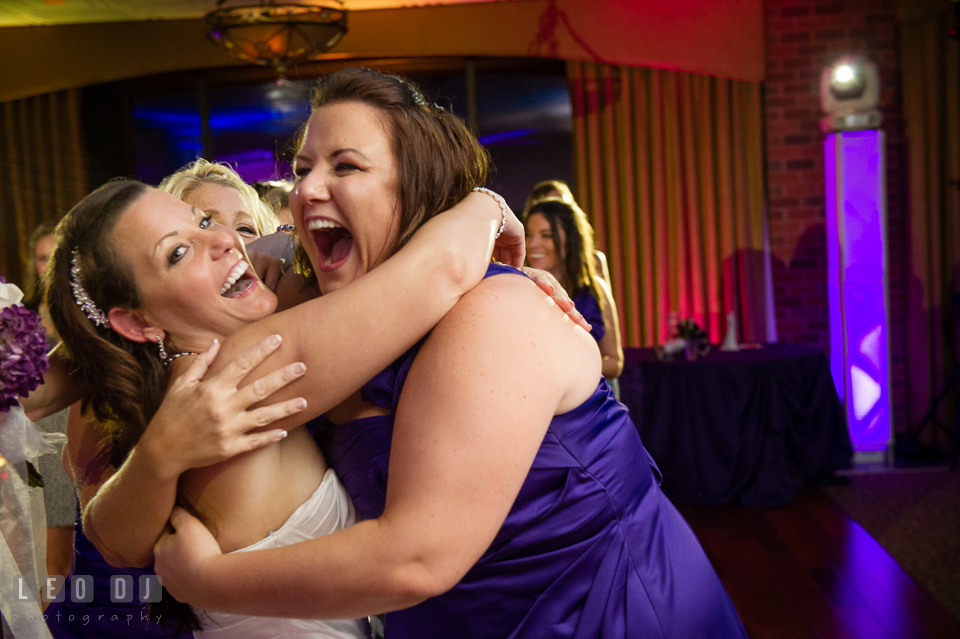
(610, 349)
(472, 416)
(59, 389)
(350, 335)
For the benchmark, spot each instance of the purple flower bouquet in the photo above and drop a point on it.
(23, 348)
(23, 361)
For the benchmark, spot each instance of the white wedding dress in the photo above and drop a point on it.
(328, 510)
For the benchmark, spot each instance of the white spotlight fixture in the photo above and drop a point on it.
(849, 94)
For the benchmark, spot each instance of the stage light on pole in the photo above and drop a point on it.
(854, 177)
(849, 94)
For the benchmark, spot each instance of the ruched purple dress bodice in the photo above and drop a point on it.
(590, 548)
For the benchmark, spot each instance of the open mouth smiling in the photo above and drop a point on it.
(239, 281)
(333, 242)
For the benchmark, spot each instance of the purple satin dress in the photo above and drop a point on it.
(591, 548)
(588, 306)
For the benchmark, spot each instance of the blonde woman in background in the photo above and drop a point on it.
(220, 192)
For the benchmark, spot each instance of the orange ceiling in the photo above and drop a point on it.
(48, 12)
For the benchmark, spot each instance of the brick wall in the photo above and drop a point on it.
(803, 36)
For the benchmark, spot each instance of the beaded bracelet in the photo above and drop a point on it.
(503, 207)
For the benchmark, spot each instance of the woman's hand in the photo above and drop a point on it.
(205, 421)
(268, 268)
(180, 553)
(271, 256)
(549, 285)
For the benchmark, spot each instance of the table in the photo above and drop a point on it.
(747, 427)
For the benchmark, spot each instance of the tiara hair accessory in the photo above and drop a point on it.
(80, 296)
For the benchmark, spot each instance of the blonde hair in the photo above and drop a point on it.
(192, 176)
(543, 190)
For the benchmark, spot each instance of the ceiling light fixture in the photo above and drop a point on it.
(279, 35)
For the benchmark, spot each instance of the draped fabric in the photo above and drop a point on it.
(669, 168)
(42, 172)
(750, 427)
(931, 108)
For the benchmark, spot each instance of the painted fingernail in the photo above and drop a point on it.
(275, 340)
(299, 368)
(300, 404)
(216, 341)
(281, 435)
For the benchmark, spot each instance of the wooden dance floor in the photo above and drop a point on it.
(808, 570)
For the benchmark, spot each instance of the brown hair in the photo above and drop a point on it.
(577, 262)
(439, 161)
(125, 380)
(275, 194)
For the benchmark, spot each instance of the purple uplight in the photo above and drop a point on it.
(857, 284)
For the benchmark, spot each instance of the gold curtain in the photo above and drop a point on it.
(931, 108)
(42, 172)
(669, 168)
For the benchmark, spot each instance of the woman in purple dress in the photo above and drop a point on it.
(560, 241)
(520, 501)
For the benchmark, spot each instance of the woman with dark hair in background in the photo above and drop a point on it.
(40, 249)
(560, 241)
(560, 189)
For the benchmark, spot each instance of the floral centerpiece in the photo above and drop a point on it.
(696, 341)
(687, 337)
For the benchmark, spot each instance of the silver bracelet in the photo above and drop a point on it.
(503, 207)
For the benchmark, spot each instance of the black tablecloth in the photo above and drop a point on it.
(749, 427)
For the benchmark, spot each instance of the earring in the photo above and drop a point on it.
(163, 351)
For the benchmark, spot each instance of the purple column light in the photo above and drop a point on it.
(857, 287)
